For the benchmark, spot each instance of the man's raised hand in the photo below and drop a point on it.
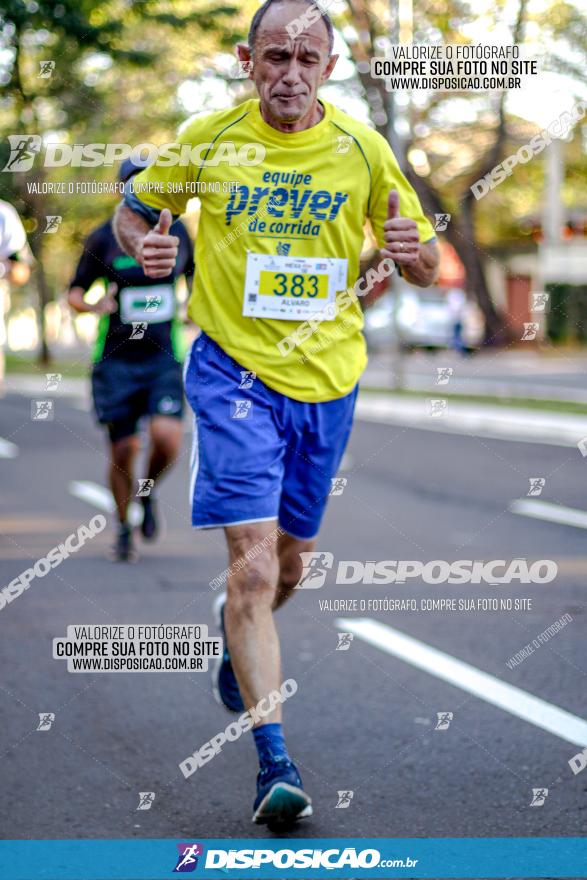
(401, 236)
(159, 249)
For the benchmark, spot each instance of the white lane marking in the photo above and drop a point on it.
(102, 498)
(8, 449)
(568, 516)
(506, 696)
(34, 385)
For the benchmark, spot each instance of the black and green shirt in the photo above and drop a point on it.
(145, 322)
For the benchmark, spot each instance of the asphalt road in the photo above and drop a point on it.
(363, 720)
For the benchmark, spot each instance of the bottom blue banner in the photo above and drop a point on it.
(518, 857)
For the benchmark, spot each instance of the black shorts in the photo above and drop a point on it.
(125, 391)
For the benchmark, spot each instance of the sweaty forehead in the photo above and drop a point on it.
(273, 26)
(280, 39)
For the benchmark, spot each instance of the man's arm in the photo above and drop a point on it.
(185, 260)
(419, 261)
(91, 267)
(16, 258)
(105, 305)
(130, 229)
(154, 249)
(424, 271)
(16, 272)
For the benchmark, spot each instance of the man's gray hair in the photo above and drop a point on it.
(263, 9)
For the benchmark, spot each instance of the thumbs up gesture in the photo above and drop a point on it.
(401, 236)
(159, 249)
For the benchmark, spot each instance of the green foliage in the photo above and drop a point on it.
(567, 316)
(457, 130)
(117, 67)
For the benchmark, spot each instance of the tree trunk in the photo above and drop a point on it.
(461, 235)
(30, 124)
(461, 230)
(37, 208)
(44, 298)
(497, 331)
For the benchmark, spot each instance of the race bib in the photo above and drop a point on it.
(151, 305)
(292, 288)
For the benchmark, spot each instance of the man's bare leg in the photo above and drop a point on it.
(165, 442)
(248, 616)
(250, 630)
(122, 458)
(290, 565)
(165, 436)
(255, 657)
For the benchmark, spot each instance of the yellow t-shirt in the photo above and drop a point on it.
(323, 183)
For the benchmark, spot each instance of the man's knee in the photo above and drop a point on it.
(167, 446)
(124, 451)
(290, 572)
(290, 562)
(166, 436)
(255, 577)
(254, 570)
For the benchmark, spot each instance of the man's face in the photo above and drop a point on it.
(287, 71)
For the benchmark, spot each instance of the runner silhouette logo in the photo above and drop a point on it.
(315, 567)
(187, 860)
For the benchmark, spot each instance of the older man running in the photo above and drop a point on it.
(273, 377)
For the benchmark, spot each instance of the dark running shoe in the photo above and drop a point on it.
(224, 683)
(281, 799)
(123, 549)
(150, 524)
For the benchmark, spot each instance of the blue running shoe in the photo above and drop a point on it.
(224, 683)
(280, 800)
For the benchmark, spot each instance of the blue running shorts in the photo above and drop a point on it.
(257, 454)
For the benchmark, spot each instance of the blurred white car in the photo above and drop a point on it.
(425, 319)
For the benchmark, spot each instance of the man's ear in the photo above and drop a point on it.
(329, 67)
(245, 56)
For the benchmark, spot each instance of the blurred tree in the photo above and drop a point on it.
(128, 72)
(459, 137)
(107, 62)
